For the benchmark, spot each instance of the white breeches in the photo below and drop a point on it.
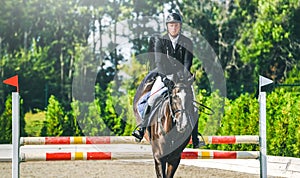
(157, 89)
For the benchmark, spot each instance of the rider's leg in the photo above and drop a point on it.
(157, 89)
(140, 131)
(195, 139)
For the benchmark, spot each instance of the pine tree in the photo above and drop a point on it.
(53, 126)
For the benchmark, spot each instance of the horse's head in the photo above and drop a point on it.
(182, 106)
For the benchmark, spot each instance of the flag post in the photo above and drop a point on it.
(15, 126)
(262, 135)
(263, 127)
(15, 135)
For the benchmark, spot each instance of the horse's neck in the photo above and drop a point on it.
(168, 120)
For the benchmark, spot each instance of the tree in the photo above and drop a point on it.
(6, 122)
(71, 127)
(53, 126)
(266, 46)
(90, 120)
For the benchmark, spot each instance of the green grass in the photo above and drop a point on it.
(34, 123)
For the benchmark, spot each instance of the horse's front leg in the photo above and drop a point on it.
(160, 167)
(172, 167)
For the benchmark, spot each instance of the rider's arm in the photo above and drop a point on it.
(158, 54)
(188, 55)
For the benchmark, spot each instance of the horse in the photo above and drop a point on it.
(171, 124)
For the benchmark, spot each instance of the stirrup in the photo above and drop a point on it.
(199, 144)
(202, 141)
(138, 134)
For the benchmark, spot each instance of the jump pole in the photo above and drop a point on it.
(262, 126)
(15, 126)
(186, 154)
(253, 139)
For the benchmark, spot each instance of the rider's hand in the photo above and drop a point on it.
(168, 83)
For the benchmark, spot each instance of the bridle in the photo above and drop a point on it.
(171, 102)
(170, 96)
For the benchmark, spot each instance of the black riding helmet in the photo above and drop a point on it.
(173, 17)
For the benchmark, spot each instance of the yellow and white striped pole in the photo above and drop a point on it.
(186, 154)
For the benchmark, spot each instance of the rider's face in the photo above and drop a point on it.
(173, 28)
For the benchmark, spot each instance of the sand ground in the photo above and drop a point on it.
(110, 169)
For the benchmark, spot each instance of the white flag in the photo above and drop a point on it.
(264, 81)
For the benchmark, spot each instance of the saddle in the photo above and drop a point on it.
(143, 94)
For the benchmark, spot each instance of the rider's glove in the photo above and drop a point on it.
(168, 83)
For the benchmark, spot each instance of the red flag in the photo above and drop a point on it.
(13, 81)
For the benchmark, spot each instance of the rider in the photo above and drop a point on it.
(172, 51)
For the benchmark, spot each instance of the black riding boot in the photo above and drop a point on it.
(195, 139)
(196, 142)
(140, 131)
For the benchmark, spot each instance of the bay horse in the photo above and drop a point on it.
(171, 124)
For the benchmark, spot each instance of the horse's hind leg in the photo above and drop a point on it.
(172, 167)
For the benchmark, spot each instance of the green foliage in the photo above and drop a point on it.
(34, 123)
(137, 73)
(283, 118)
(71, 127)
(90, 121)
(241, 117)
(114, 113)
(53, 125)
(209, 124)
(266, 45)
(129, 115)
(6, 122)
(293, 79)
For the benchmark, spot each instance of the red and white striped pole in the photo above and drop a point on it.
(80, 140)
(187, 154)
(251, 139)
(235, 139)
(56, 156)
(211, 154)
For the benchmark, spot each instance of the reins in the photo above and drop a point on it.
(196, 104)
(203, 106)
